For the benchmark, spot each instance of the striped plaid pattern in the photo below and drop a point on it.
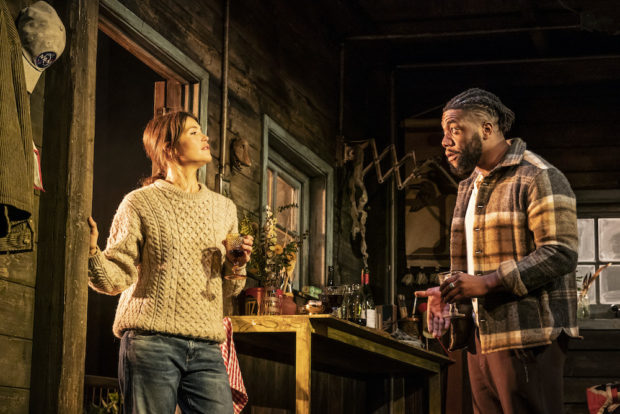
(237, 387)
(525, 228)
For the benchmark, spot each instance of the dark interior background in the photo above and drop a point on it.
(124, 104)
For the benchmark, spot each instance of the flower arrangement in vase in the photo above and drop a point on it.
(272, 262)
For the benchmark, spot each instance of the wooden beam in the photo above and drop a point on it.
(303, 358)
(59, 340)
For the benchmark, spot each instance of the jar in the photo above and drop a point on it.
(583, 306)
(272, 302)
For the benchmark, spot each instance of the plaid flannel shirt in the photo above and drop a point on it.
(525, 228)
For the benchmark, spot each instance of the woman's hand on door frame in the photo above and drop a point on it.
(94, 235)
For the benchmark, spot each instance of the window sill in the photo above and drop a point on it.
(599, 323)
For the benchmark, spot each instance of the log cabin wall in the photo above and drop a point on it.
(283, 62)
(277, 67)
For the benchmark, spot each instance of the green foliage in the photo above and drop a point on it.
(110, 405)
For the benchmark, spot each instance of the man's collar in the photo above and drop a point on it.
(513, 156)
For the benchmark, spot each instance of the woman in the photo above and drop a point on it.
(164, 255)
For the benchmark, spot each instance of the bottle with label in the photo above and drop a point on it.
(369, 302)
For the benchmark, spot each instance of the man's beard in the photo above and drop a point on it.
(468, 158)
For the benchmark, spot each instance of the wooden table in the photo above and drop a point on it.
(329, 343)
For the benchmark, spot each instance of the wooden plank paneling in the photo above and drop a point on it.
(607, 339)
(601, 363)
(15, 362)
(16, 309)
(576, 409)
(245, 192)
(13, 400)
(585, 159)
(592, 361)
(268, 383)
(19, 267)
(575, 388)
(594, 180)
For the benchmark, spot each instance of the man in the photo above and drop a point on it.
(514, 240)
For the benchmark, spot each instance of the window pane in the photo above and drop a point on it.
(285, 195)
(609, 239)
(610, 285)
(269, 187)
(582, 271)
(586, 240)
(283, 240)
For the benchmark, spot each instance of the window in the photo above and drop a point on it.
(599, 244)
(285, 185)
(293, 174)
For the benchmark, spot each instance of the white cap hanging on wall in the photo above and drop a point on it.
(43, 39)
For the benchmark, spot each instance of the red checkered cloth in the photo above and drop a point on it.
(604, 399)
(239, 395)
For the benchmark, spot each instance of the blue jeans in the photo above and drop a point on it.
(157, 372)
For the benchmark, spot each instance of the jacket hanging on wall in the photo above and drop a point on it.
(16, 160)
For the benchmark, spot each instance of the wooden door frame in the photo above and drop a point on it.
(61, 299)
(156, 52)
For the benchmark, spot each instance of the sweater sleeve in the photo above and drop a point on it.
(232, 287)
(115, 269)
(552, 219)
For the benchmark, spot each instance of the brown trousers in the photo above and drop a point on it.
(518, 381)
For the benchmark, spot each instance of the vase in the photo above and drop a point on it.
(289, 307)
(583, 306)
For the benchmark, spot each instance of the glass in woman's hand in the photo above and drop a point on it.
(234, 245)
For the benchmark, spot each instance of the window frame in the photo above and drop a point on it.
(596, 205)
(285, 150)
(298, 180)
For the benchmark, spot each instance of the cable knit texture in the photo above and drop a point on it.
(165, 255)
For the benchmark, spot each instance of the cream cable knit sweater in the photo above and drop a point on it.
(165, 255)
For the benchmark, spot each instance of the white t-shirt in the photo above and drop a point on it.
(469, 236)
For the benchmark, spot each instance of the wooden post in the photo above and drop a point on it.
(303, 357)
(59, 341)
(434, 393)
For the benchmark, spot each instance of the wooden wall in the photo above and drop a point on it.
(17, 290)
(564, 112)
(283, 62)
(593, 361)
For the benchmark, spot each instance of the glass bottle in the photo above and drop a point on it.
(345, 306)
(369, 302)
(358, 314)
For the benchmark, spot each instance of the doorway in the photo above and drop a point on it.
(124, 104)
(139, 74)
